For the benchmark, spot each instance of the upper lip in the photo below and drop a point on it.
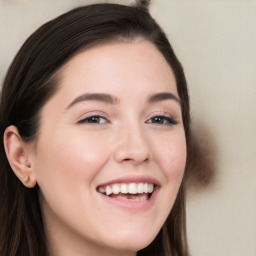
(131, 179)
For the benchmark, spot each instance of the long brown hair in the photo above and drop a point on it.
(31, 80)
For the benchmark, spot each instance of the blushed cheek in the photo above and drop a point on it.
(174, 160)
(65, 174)
(78, 163)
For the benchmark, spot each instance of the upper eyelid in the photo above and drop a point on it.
(85, 120)
(93, 113)
(161, 113)
(103, 114)
(173, 117)
(168, 118)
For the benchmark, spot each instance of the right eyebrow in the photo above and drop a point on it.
(101, 97)
(163, 96)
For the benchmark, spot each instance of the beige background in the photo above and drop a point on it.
(216, 42)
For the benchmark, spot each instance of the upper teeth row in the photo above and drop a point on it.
(125, 188)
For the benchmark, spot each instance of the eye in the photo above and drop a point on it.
(161, 119)
(96, 119)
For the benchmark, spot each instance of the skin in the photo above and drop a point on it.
(70, 158)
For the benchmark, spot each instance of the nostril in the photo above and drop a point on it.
(136, 160)
(128, 159)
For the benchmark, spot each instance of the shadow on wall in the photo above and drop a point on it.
(202, 158)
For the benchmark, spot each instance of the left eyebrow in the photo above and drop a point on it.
(163, 96)
(100, 97)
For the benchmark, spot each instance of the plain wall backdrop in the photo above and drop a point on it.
(216, 42)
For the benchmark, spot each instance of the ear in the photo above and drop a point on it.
(17, 152)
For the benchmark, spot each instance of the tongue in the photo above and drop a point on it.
(131, 197)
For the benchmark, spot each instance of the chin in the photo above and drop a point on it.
(133, 242)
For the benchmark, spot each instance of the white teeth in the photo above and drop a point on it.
(140, 188)
(132, 188)
(116, 189)
(102, 190)
(125, 188)
(150, 188)
(108, 190)
(145, 186)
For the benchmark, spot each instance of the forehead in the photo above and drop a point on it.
(136, 64)
(126, 70)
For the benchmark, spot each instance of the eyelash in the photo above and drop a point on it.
(158, 119)
(162, 120)
(93, 120)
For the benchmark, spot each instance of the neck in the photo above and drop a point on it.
(64, 249)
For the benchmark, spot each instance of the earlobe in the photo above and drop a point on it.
(18, 156)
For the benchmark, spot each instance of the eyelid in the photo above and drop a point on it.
(91, 114)
(163, 114)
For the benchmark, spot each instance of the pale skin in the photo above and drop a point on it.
(116, 114)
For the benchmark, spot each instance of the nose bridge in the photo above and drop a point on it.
(133, 144)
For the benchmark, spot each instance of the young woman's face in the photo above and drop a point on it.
(111, 135)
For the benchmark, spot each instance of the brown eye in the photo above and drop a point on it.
(165, 120)
(93, 120)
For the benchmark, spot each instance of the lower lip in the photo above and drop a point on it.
(133, 205)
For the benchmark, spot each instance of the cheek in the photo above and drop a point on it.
(172, 161)
(65, 174)
(68, 164)
(170, 157)
(172, 154)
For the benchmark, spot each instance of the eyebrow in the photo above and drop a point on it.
(101, 97)
(163, 96)
(110, 99)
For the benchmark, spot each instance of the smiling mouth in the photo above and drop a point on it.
(128, 191)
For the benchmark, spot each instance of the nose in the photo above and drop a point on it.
(133, 146)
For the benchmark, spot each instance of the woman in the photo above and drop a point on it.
(94, 122)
